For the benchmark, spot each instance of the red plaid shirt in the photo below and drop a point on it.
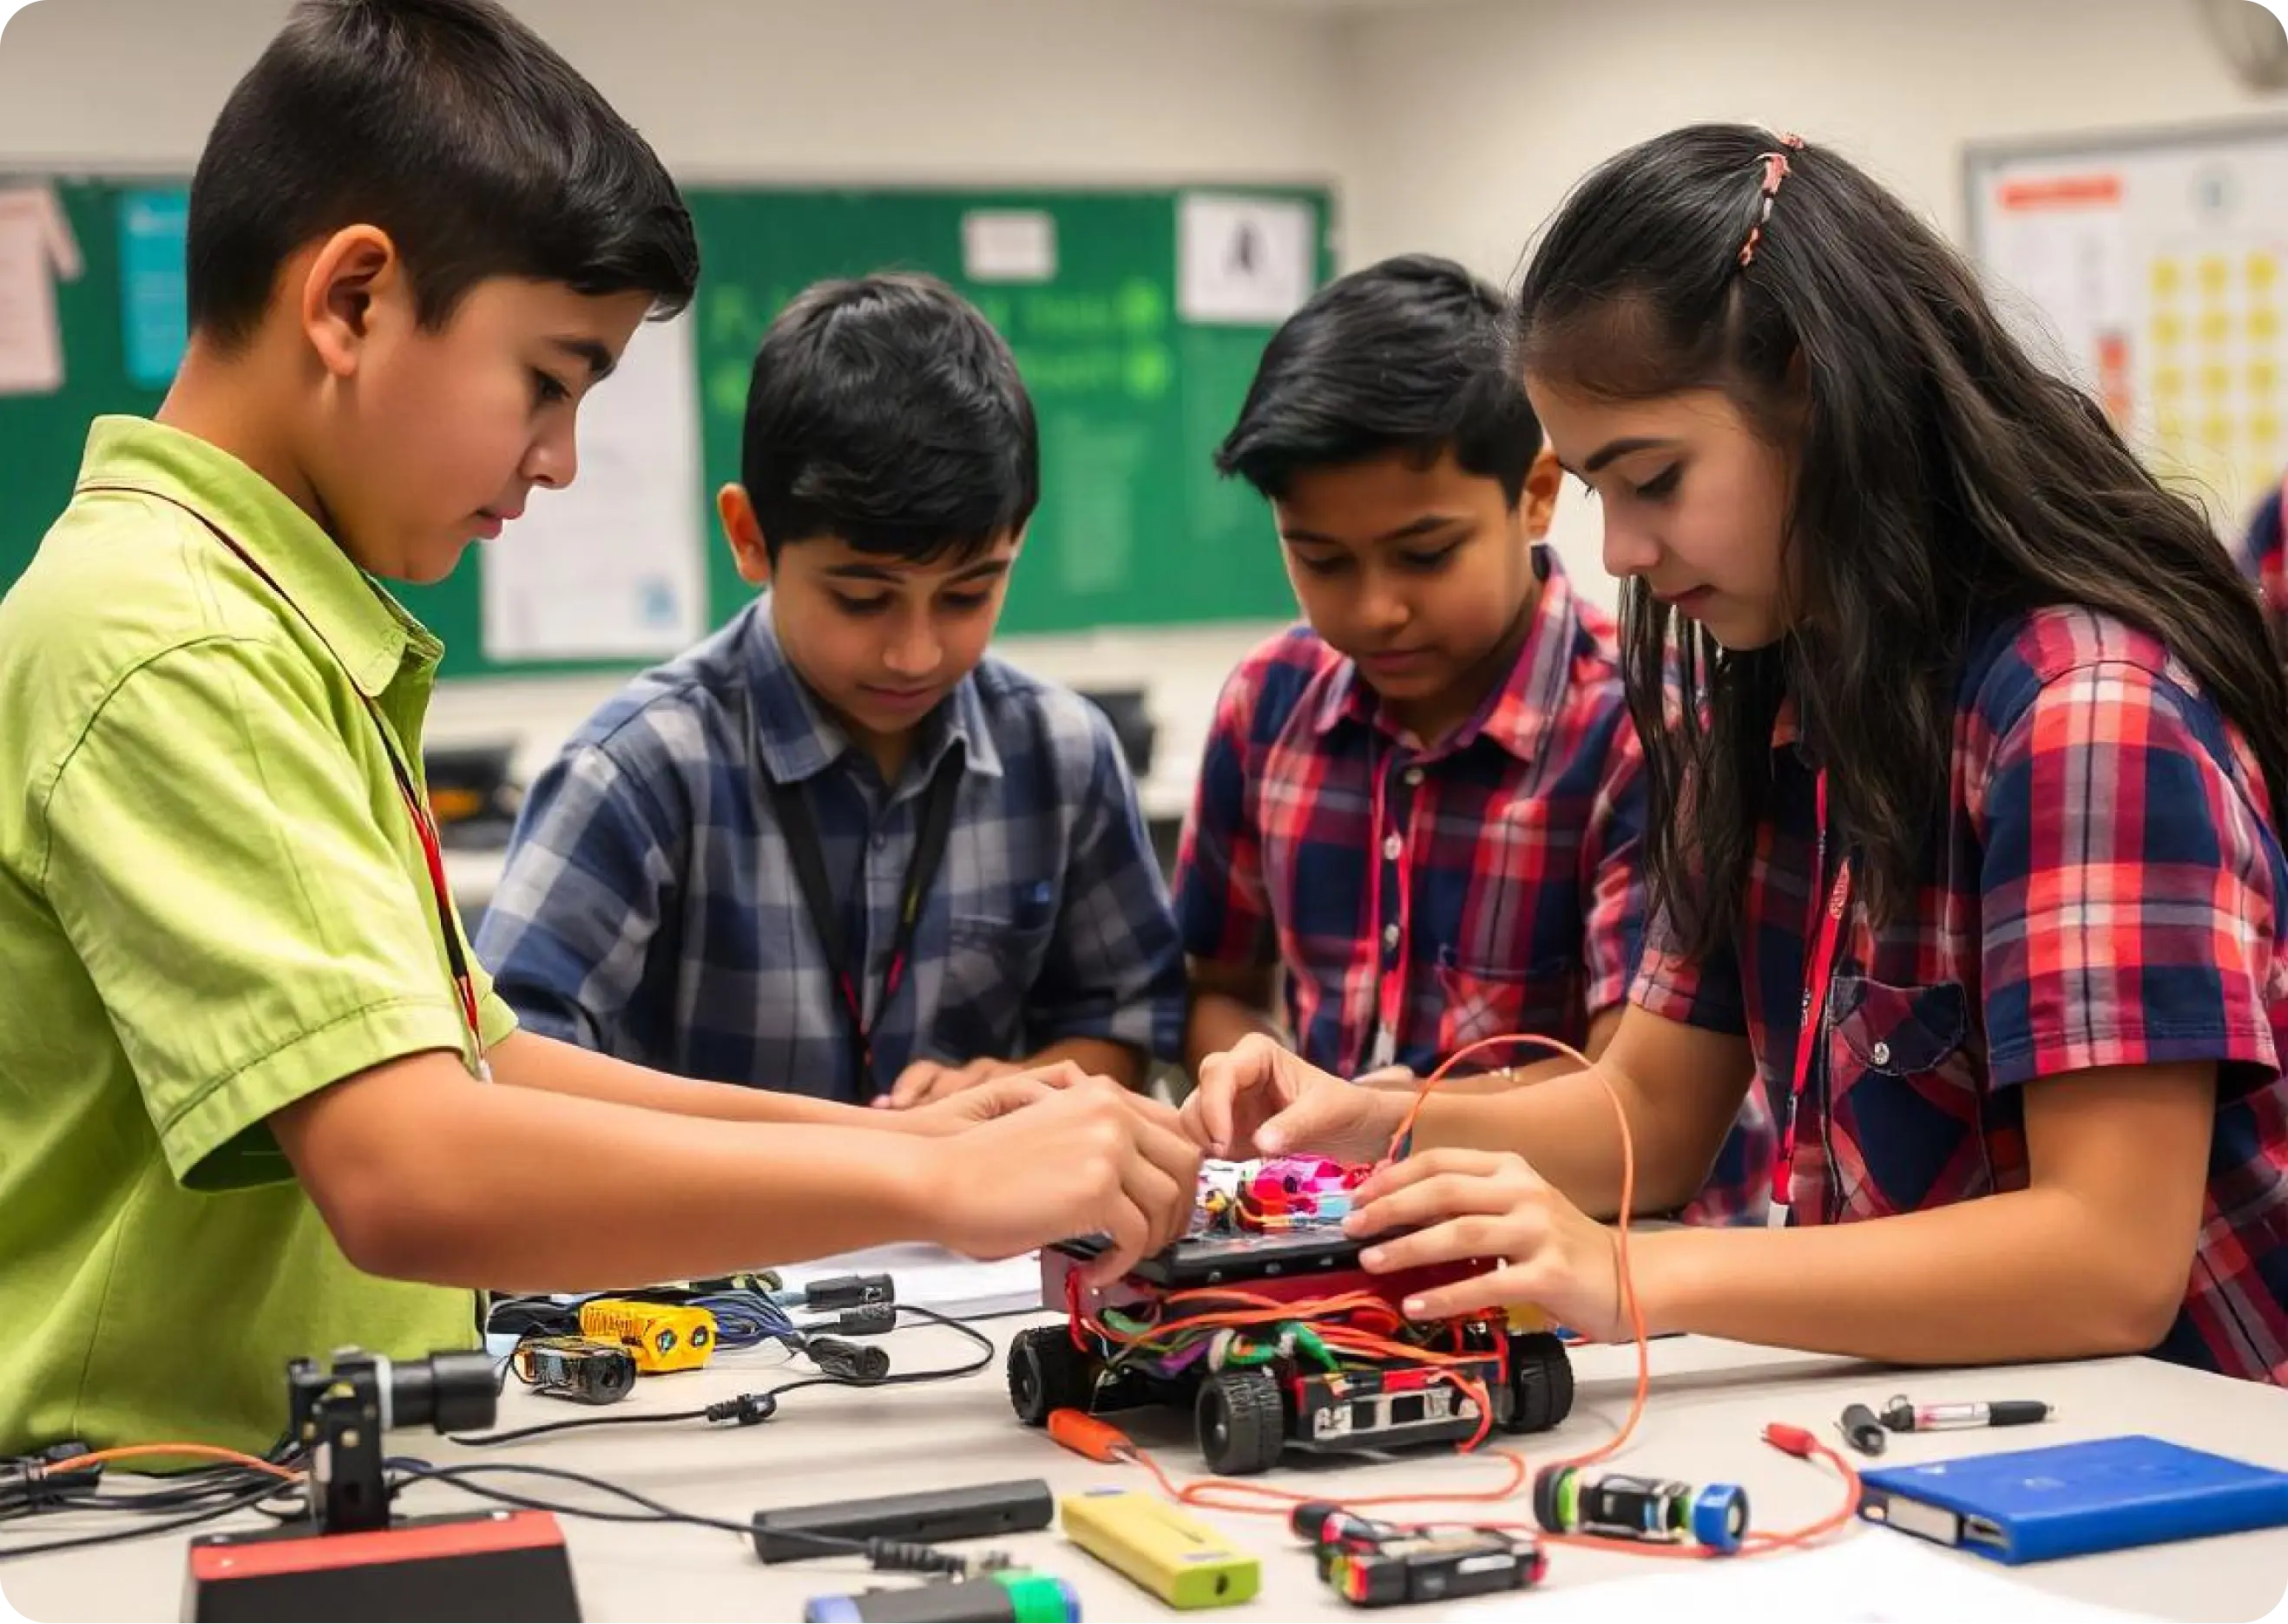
(1519, 835)
(2107, 890)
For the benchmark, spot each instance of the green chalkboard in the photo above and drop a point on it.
(1135, 527)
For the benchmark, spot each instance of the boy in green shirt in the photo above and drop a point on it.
(243, 1049)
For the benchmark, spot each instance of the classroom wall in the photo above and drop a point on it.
(1141, 92)
(1486, 111)
(1448, 125)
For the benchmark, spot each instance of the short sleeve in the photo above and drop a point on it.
(2128, 891)
(1705, 992)
(214, 854)
(1223, 908)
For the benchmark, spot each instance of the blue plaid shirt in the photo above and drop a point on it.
(649, 908)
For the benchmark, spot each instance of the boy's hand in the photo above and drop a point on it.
(1259, 1099)
(994, 1098)
(1480, 1204)
(933, 1080)
(1088, 1159)
(1389, 1077)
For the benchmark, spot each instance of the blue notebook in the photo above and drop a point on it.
(2070, 1500)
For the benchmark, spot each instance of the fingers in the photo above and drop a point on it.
(1004, 1094)
(1237, 1088)
(1130, 1235)
(1510, 1203)
(914, 1084)
(1398, 1176)
(1481, 1293)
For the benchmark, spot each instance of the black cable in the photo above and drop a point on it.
(889, 1555)
(11, 1553)
(750, 1407)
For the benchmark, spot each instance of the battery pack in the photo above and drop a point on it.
(1159, 1547)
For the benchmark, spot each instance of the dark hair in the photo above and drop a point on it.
(1412, 354)
(448, 125)
(1942, 481)
(887, 411)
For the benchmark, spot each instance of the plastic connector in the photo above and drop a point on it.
(850, 1361)
(747, 1409)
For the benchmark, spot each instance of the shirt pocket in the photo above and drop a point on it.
(1482, 1002)
(1904, 1127)
(991, 966)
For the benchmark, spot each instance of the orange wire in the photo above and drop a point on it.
(203, 1451)
(1204, 1491)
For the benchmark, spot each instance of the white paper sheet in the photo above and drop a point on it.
(1866, 1576)
(1241, 260)
(36, 248)
(614, 566)
(1009, 245)
(940, 1279)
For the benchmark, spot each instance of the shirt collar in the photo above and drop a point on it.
(1519, 711)
(359, 622)
(799, 739)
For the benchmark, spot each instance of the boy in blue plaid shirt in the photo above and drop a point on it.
(834, 849)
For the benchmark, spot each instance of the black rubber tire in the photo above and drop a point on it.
(1047, 1373)
(1540, 1383)
(1241, 1418)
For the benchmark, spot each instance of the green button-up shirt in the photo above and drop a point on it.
(213, 903)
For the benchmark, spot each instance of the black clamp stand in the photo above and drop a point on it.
(354, 1561)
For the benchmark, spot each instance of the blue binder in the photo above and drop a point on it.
(2070, 1500)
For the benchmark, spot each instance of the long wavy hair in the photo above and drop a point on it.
(1942, 480)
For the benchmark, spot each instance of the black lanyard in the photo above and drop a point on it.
(809, 859)
(425, 825)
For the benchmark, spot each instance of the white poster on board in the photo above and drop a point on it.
(1241, 260)
(615, 566)
(36, 248)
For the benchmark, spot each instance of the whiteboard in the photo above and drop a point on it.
(2153, 268)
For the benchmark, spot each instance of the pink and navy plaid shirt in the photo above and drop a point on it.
(1519, 835)
(2107, 890)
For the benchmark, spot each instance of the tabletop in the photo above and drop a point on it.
(1709, 1402)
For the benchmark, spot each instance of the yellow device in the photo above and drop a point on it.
(662, 1336)
(1177, 1557)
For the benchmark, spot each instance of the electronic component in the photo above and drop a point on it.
(838, 1291)
(1381, 1564)
(1159, 1547)
(1625, 1507)
(855, 1361)
(972, 1513)
(28, 1482)
(1085, 1435)
(1008, 1598)
(576, 1368)
(1862, 1431)
(662, 1336)
(353, 1558)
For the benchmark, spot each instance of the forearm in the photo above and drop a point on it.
(2029, 1274)
(465, 1185)
(1218, 1022)
(1098, 1056)
(528, 1061)
(1565, 1126)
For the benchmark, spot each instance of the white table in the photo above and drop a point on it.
(1710, 1401)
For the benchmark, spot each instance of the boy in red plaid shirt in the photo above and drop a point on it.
(1419, 817)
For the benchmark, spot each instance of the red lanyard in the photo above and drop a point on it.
(1818, 971)
(1390, 977)
(424, 826)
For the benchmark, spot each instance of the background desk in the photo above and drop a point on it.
(1709, 1402)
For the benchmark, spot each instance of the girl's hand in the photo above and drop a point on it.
(1484, 1205)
